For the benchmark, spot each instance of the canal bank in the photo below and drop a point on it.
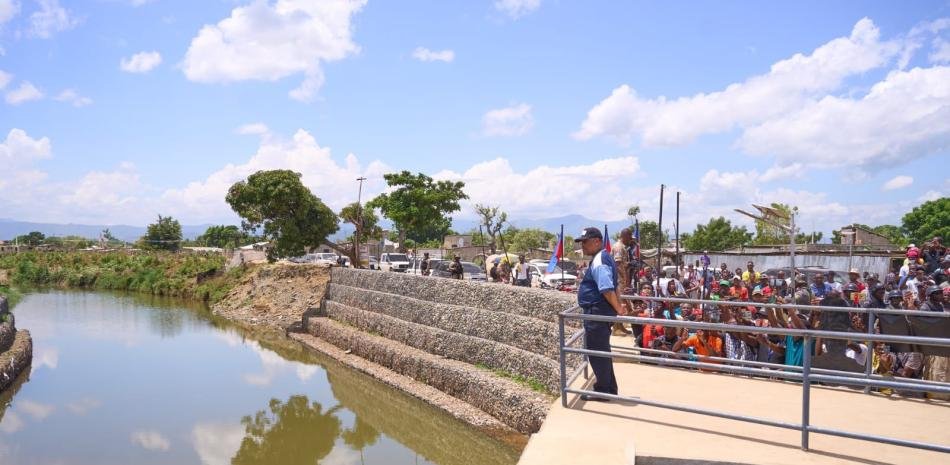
(16, 346)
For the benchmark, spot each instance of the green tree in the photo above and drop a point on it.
(813, 237)
(719, 234)
(930, 219)
(366, 229)
(361, 436)
(418, 206)
(286, 212)
(650, 234)
(523, 240)
(224, 236)
(164, 234)
(894, 234)
(493, 219)
(768, 234)
(32, 239)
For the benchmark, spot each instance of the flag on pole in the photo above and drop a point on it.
(607, 240)
(636, 237)
(557, 254)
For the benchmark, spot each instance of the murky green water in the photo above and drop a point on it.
(119, 379)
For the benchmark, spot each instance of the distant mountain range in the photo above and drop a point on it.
(12, 228)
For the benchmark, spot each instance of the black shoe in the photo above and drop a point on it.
(586, 397)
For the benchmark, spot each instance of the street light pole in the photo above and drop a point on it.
(359, 224)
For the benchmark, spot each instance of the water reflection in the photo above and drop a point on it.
(150, 382)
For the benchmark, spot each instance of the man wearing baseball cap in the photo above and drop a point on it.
(597, 295)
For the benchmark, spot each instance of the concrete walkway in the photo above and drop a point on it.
(615, 433)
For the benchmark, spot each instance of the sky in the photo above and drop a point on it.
(115, 111)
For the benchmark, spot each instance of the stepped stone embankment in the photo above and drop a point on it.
(16, 347)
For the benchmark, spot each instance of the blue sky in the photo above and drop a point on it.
(114, 111)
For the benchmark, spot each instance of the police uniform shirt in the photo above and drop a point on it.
(600, 278)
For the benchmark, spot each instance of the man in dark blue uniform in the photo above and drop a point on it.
(597, 295)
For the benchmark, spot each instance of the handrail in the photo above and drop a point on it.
(805, 373)
(824, 308)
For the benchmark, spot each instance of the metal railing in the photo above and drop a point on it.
(806, 374)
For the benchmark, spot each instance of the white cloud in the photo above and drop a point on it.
(424, 54)
(515, 120)
(517, 8)
(254, 129)
(8, 10)
(548, 191)
(333, 182)
(898, 182)
(5, 79)
(341, 455)
(904, 117)
(788, 84)
(112, 190)
(25, 93)
(72, 97)
(264, 41)
(50, 19)
(141, 62)
(20, 149)
(35, 409)
(151, 440)
(84, 405)
(273, 365)
(216, 443)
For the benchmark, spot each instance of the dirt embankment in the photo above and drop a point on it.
(276, 295)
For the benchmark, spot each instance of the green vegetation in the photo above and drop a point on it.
(718, 234)
(419, 206)
(532, 383)
(164, 234)
(278, 204)
(157, 273)
(929, 220)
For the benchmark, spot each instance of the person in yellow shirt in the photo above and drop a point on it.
(751, 276)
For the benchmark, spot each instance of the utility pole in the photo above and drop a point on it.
(359, 224)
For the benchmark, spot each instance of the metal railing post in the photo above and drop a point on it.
(562, 359)
(806, 389)
(870, 355)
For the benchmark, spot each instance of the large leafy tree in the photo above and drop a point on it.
(650, 234)
(33, 238)
(493, 219)
(419, 206)
(893, 233)
(286, 212)
(294, 432)
(164, 234)
(224, 236)
(930, 219)
(719, 234)
(363, 219)
(523, 240)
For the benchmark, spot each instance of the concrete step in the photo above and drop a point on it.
(517, 406)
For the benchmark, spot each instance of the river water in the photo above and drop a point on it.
(127, 379)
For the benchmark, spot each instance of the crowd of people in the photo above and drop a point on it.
(921, 283)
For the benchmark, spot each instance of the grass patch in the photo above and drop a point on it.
(531, 383)
(157, 273)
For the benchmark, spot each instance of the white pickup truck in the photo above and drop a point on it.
(394, 262)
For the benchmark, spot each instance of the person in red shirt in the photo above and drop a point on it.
(738, 289)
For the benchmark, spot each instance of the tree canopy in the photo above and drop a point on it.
(164, 234)
(33, 238)
(288, 214)
(366, 229)
(927, 220)
(523, 240)
(719, 234)
(224, 236)
(768, 234)
(650, 234)
(419, 206)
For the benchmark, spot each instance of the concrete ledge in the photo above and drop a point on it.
(530, 334)
(16, 359)
(515, 405)
(534, 303)
(469, 349)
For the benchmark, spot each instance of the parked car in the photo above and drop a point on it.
(470, 271)
(306, 258)
(541, 278)
(394, 262)
(415, 263)
(372, 263)
(567, 265)
(326, 259)
(841, 277)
